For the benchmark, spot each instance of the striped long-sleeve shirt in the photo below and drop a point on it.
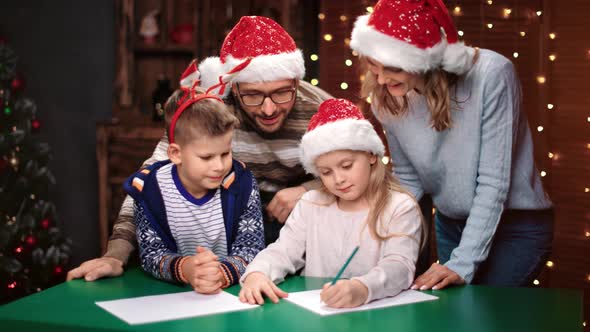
(170, 231)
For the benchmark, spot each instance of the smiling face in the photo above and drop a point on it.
(267, 104)
(203, 162)
(346, 174)
(397, 81)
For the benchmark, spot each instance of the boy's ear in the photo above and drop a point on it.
(174, 153)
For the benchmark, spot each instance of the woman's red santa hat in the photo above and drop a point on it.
(337, 125)
(406, 34)
(272, 53)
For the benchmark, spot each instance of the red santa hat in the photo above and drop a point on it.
(337, 125)
(271, 52)
(407, 34)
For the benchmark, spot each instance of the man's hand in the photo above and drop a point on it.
(202, 271)
(97, 268)
(256, 284)
(283, 202)
(437, 277)
(344, 294)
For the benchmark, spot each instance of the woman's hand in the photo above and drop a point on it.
(256, 284)
(437, 277)
(344, 294)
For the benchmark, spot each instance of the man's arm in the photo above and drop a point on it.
(123, 240)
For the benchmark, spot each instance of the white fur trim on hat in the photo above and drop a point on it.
(392, 52)
(347, 134)
(458, 58)
(211, 68)
(265, 68)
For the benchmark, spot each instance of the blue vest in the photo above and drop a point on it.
(235, 193)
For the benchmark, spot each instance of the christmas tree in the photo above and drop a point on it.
(33, 251)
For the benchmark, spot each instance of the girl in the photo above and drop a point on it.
(455, 131)
(360, 204)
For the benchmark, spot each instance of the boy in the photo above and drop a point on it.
(198, 214)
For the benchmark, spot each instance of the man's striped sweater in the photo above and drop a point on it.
(273, 159)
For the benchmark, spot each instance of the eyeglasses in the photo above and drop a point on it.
(279, 96)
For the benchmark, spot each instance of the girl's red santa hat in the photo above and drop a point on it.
(407, 34)
(337, 125)
(271, 52)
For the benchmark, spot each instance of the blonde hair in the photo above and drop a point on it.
(437, 91)
(378, 193)
(208, 116)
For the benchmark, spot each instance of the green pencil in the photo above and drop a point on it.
(345, 265)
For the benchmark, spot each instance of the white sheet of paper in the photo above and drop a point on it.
(157, 308)
(310, 300)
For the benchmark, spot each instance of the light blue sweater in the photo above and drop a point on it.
(479, 167)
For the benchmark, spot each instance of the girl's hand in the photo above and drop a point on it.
(344, 294)
(256, 284)
(202, 271)
(437, 277)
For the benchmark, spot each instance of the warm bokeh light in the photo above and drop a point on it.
(321, 16)
(314, 81)
(327, 37)
(314, 57)
(348, 62)
(343, 85)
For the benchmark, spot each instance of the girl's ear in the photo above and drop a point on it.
(373, 159)
(174, 153)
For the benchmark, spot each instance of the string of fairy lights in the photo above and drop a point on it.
(495, 17)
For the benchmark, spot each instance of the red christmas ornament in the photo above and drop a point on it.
(35, 124)
(182, 34)
(30, 240)
(17, 83)
(12, 285)
(58, 270)
(45, 223)
(18, 250)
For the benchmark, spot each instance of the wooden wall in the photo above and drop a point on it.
(562, 147)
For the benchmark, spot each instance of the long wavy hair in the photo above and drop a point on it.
(438, 86)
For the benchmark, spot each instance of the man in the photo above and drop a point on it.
(274, 107)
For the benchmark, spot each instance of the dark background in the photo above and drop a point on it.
(66, 53)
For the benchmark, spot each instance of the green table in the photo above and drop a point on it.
(70, 307)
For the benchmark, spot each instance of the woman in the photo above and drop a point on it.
(455, 131)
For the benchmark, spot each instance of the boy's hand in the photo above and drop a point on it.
(97, 268)
(202, 271)
(344, 294)
(283, 202)
(256, 284)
